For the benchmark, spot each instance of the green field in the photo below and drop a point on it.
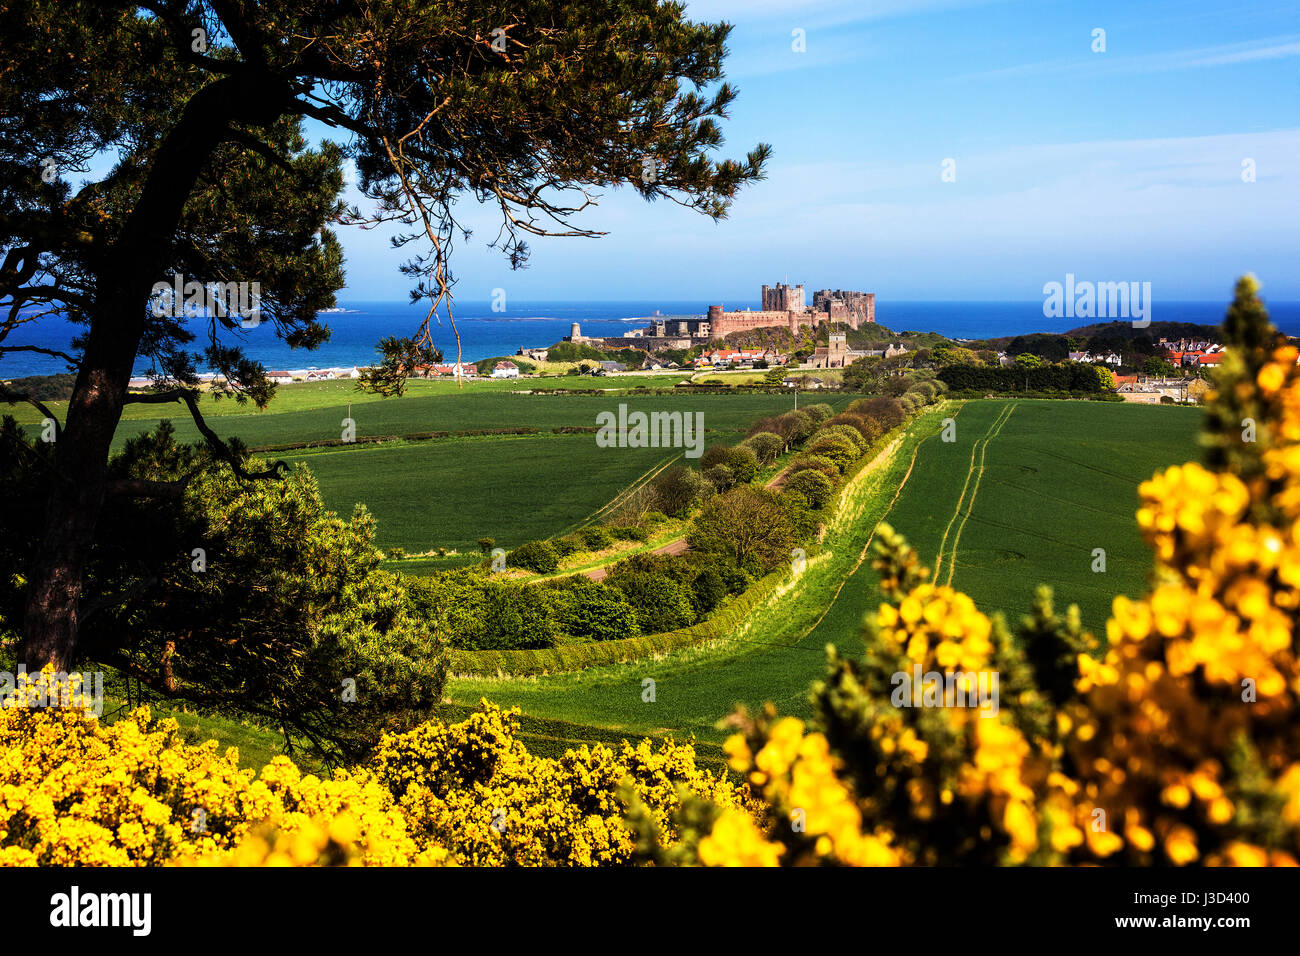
(1058, 479)
(1050, 482)
(448, 493)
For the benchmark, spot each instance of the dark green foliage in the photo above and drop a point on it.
(485, 366)
(46, 388)
(248, 597)
(661, 603)
(678, 489)
(596, 538)
(536, 556)
(588, 610)
(813, 486)
(486, 545)
(1068, 376)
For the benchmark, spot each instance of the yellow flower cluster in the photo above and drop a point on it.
(937, 626)
(76, 792)
(1187, 732)
(796, 775)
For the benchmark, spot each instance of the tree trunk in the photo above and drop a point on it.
(54, 594)
(125, 276)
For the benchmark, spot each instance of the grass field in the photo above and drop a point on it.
(1049, 482)
(1024, 495)
(1030, 489)
(448, 493)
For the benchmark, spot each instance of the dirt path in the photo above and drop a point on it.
(675, 546)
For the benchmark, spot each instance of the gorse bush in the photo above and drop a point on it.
(79, 793)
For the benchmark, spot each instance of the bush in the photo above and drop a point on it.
(487, 544)
(539, 556)
(868, 428)
(817, 463)
(589, 610)
(743, 463)
(570, 544)
(720, 477)
(595, 537)
(819, 412)
(678, 490)
(661, 603)
(847, 432)
(884, 410)
(813, 486)
(707, 591)
(748, 524)
(628, 533)
(838, 449)
(765, 445)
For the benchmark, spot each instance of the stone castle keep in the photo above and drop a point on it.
(784, 306)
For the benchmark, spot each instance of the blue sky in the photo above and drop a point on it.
(1122, 165)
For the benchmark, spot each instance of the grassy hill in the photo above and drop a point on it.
(1055, 480)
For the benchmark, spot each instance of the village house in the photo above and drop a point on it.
(505, 370)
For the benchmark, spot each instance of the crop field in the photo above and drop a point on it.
(1031, 489)
(1023, 496)
(446, 493)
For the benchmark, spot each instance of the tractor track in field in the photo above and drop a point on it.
(980, 446)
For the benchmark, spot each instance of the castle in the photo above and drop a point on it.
(783, 307)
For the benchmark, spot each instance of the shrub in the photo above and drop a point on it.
(536, 556)
(570, 544)
(628, 533)
(868, 428)
(817, 463)
(886, 411)
(589, 610)
(819, 412)
(748, 524)
(847, 432)
(720, 477)
(743, 463)
(595, 537)
(765, 445)
(707, 591)
(661, 603)
(486, 544)
(838, 449)
(396, 554)
(678, 489)
(813, 486)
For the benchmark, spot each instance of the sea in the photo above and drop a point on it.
(485, 333)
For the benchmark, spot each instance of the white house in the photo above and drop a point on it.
(505, 370)
(280, 378)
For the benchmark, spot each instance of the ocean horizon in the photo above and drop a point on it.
(485, 333)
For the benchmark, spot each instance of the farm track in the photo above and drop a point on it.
(976, 472)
